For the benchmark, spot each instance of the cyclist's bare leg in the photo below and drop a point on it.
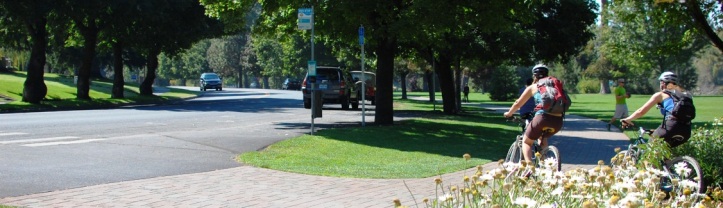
(543, 144)
(527, 149)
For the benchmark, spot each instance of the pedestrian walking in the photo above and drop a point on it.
(621, 107)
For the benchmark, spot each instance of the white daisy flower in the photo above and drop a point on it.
(525, 201)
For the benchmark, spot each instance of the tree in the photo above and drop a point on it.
(498, 31)
(505, 87)
(89, 18)
(224, 54)
(699, 12)
(650, 38)
(33, 16)
(170, 28)
(187, 65)
(270, 53)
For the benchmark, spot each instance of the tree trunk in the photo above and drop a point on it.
(403, 79)
(431, 87)
(118, 83)
(443, 67)
(146, 87)
(458, 86)
(604, 87)
(90, 34)
(239, 81)
(34, 88)
(386, 50)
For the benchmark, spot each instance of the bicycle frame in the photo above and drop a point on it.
(515, 154)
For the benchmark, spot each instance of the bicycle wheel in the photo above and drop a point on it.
(514, 154)
(687, 168)
(553, 153)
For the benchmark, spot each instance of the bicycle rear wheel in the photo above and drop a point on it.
(514, 154)
(687, 168)
(553, 153)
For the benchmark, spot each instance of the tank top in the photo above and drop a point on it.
(538, 100)
(666, 106)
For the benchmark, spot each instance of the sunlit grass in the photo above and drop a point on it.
(62, 93)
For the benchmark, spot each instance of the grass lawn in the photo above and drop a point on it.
(434, 144)
(62, 94)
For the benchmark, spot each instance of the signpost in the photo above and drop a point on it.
(306, 17)
(363, 75)
(306, 22)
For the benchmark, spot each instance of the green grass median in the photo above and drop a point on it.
(62, 94)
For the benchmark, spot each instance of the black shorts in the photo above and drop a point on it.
(673, 132)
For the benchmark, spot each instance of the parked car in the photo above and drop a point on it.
(291, 84)
(210, 81)
(370, 82)
(336, 86)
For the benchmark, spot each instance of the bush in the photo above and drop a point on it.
(706, 145)
(505, 87)
(588, 86)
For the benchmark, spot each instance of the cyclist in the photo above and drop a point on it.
(542, 121)
(673, 132)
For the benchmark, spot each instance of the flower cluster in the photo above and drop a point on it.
(524, 185)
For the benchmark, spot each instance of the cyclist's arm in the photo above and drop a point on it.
(526, 95)
(654, 100)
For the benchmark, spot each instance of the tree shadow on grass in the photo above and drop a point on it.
(453, 137)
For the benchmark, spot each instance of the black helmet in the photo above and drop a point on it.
(668, 77)
(540, 71)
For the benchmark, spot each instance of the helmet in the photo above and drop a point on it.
(540, 71)
(668, 77)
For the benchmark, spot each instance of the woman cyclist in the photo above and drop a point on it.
(542, 121)
(674, 132)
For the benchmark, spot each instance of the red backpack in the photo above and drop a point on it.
(554, 98)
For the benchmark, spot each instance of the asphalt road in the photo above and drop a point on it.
(48, 151)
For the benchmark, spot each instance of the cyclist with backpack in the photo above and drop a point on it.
(676, 126)
(545, 119)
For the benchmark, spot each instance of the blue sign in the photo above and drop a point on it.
(306, 16)
(312, 68)
(361, 35)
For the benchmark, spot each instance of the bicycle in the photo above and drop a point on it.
(677, 171)
(515, 156)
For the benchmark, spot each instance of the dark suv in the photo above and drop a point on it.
(291, 84)
(210, 81)
(336, 85)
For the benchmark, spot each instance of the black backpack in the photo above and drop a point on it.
(683, 108)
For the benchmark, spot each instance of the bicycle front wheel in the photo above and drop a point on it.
(686, 168)
(514, 154)
(552, 154)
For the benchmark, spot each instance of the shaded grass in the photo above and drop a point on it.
(410, 149)
(62, 93)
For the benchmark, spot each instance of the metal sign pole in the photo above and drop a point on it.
(313, 85)
(306, 22)
(363, 76)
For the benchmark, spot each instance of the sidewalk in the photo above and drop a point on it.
(582, 142)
